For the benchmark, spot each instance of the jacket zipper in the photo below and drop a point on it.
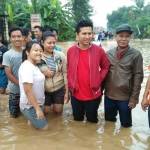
(75, 73)
(90, 68)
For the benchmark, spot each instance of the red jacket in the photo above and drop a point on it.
(98, 64)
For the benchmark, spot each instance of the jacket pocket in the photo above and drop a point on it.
(124, 85)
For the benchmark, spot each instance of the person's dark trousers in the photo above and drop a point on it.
(112, 107)
(149, 115)
(14, 108)
(88, 108)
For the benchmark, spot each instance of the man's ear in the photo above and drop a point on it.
(77, 38)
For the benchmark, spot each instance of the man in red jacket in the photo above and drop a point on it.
(86, 69)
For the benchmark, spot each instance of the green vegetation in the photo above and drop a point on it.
(137, 16)
(64, 17)
(81, 9)
(53, 14)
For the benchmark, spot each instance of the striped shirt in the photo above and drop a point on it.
(53, 62)
(50, 61)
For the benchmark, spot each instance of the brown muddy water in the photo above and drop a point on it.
(66, 134)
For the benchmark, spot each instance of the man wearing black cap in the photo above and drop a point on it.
(123, 82)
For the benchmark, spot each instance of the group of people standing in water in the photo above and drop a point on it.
(42, 78)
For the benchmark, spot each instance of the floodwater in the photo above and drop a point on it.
(64, 133)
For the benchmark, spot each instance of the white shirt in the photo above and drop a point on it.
(29, 73)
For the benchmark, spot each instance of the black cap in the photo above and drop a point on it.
(124, 28)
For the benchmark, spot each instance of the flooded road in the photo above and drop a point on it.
(66, 134)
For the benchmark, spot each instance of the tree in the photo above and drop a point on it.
(137, 16)
(56, 16)
(18, 12)
(117, 17)
(139, 4)
(81, 9)
(53, 14)
(2, 20)
(34, 5)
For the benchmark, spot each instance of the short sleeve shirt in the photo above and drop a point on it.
(13, 59)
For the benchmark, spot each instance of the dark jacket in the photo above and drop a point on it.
(98, 64)
(125, 76)
(3, 49)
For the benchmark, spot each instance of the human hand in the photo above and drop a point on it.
(146, 100)
(48, 73)
(132, 103)
(66, 97)
(144, 105)
(39, 113)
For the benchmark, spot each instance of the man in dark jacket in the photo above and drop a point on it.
(123, 82)
(86, 70)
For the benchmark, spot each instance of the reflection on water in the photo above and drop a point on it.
(64, 133)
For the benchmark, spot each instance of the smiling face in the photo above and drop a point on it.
(123, 39)
(49, 44)
(84, 37)
(37, 33)
(16, 39)
(35, 53)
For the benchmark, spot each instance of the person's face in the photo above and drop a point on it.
(16, 39)
(84, 37)
(123, 39)
(35, 53)
(29, 38)
(49, 44)
(37, 33)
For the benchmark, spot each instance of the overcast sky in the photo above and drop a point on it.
(103, 7)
